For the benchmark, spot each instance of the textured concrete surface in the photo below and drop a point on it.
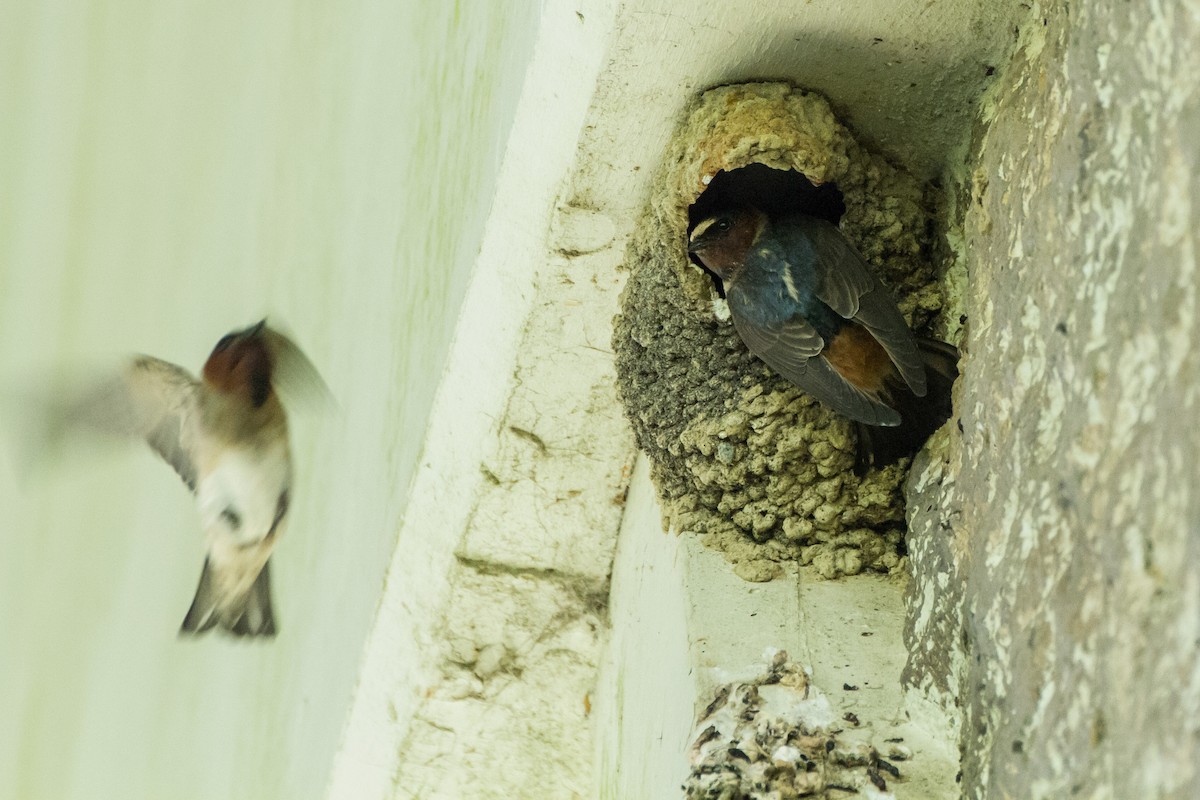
(739, 454)
(1055, 544)
(521, 637)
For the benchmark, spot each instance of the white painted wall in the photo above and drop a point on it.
(168, 171)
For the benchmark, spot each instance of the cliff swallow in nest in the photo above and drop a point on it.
(805, 302)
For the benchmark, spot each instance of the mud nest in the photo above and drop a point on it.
(739, 455)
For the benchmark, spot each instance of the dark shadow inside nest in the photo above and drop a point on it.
(775, 191)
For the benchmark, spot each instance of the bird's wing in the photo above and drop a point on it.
(792, 348)
(823, 382)
(846, 284)
(150, 398)
(786, 344)
(294, 375)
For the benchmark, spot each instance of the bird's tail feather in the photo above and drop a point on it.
(250, 615)
(920, 416)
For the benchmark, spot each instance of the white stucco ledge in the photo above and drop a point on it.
(687, 631)
(495, 562)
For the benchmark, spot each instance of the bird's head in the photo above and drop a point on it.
(722, 241)
(242, 364)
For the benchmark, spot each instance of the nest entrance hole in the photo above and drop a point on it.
(777, 192)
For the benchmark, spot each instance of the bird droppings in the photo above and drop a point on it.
(778, 736)
(740, 455)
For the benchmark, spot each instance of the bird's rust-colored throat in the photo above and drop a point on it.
(721, 242)
(241, 367)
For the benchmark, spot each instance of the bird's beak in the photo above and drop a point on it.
(694, 248)
(257, 329)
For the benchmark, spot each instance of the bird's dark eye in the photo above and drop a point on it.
(724, 224)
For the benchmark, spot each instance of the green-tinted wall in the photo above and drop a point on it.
(169, 171)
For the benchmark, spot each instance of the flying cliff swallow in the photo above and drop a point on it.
(226, 435)
(805, 302)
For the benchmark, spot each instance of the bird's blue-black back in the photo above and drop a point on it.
(761, 294)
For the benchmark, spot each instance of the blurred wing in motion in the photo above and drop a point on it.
(294, 376)
(150, 399)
